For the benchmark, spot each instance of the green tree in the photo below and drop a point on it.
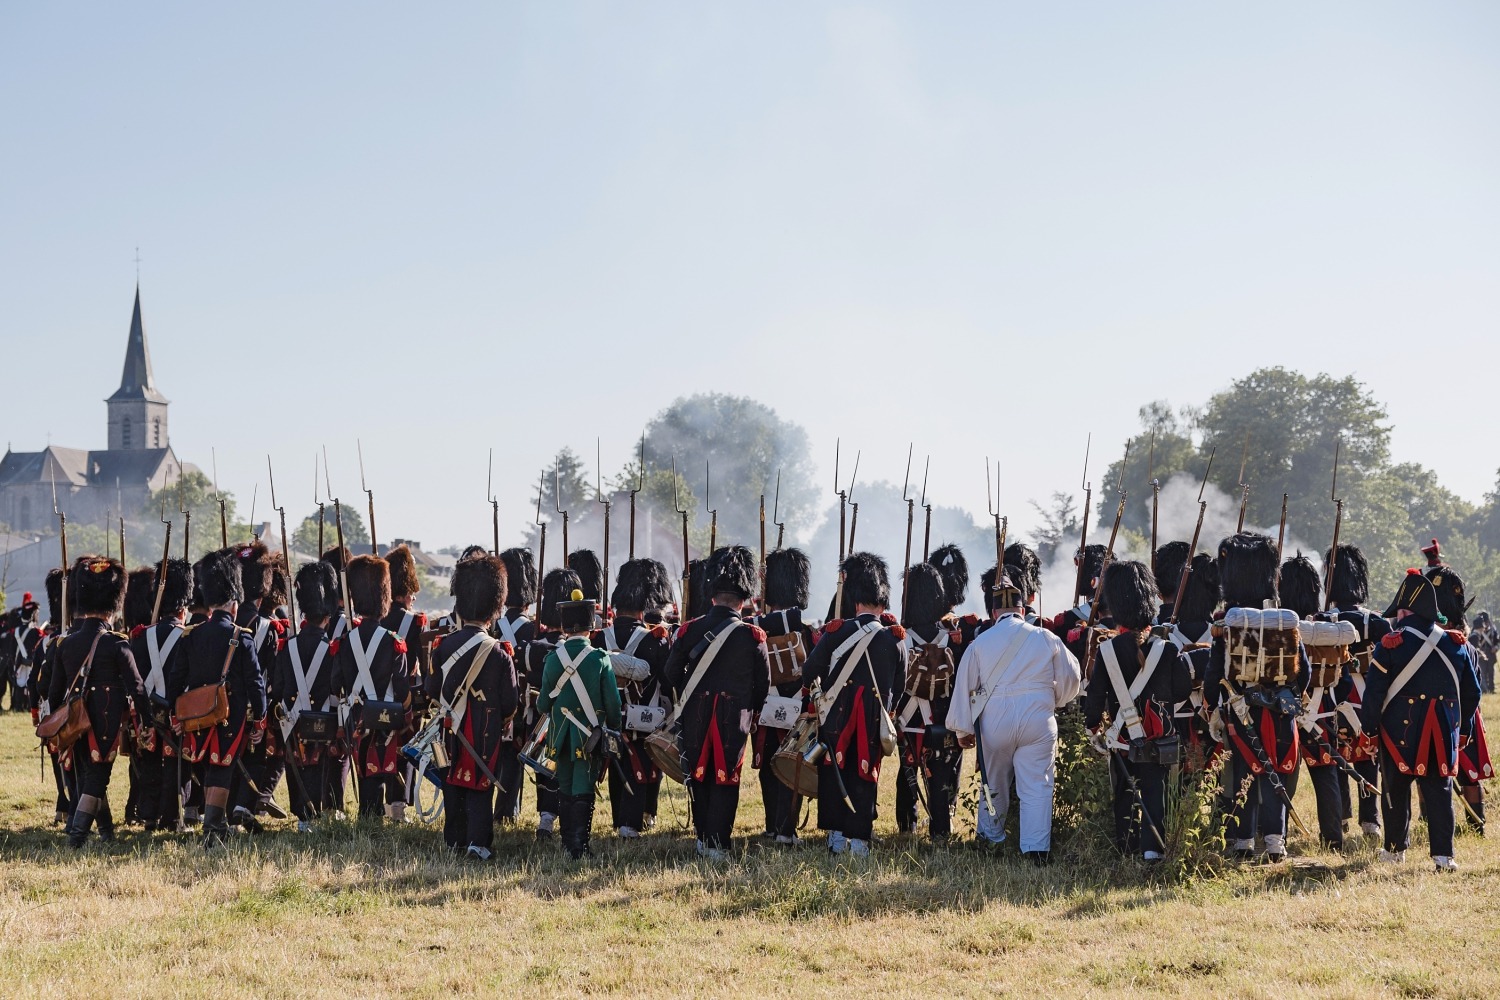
(305, 535)
(1061, 526)
(1163, 447)
(195, 492)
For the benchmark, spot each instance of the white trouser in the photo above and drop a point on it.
(1018, 735)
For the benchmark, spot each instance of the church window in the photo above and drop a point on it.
(125, 433)
(156, 432)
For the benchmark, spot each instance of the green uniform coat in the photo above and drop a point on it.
(565, 741)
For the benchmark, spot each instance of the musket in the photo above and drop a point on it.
(541, 544)
(599, 497)
(1002, 524)
(557, 503)
(1281, 532)
(254, 497)
(843, 497)
(1338, 522)
(853, 507)
(1187, 567)
(62, 537)
(776, 513)
(763, 548)
(713, 513)
(1109, 552)
(911, 504)
(187, 515)
(687, 573)
(161, 574)
(286, 556)
(491, 498)
(1258, 748)
(224, 504)
(370, 494)
(927, 529)
(338, 527)
(318, 499)
(1244, 486)
(640, 481)
(120, 508)
(1155, 497)
(1088, 503)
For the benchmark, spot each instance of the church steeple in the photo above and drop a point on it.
(137, 411)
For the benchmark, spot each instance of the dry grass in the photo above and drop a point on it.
(369, 911)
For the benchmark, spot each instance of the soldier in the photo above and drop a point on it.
(41, 683)
(1010, 683)
(789, 639)
(304, 677)
(219, 654)
(1302, 592)
(860, 664)
(157, 758)
(338, 557)
(18, 649)
(1474, 755)
(264, 762)
(1255, 701)
(1485, 640)
(1348, 593)
(94, 663)
(517, 629)
(474, 678)
(1167, 570)
(929, 751)
(1420, 704)
(1193, 634)
(374, 683)
(557, 587)
(720, 675)
(406, 623)
(591, 575)
(639, 655)
(1142, 681)
(580, 695)
(1024, 567)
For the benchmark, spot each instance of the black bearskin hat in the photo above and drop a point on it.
(369, 586)
(140, 594)
(1091, 562)
(865, 580)
(54, 589)
(950, 562)
(218, 578)
(1351, 576)
(473, 552)
(1130, 594)
(697, 602)
(179, 587)
(255, 569)
(1247, 570)
(1170, 558)
(281, 585)
(1200, 598)
(317, 591)
(1451, 602)
(1024, 567)
(590, 572)
(733, 570)
(99, 584)
(478, 588)
(337, 557)
(520, 577)
(404, 581)
(987, 585)
(557, 586)
(926, 597)
(1417, 595)
(788, 579)
(1301, 590)
(576, 614)
(642, 585)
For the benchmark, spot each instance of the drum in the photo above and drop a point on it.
(795, 764)
(663, 748)
(534, 753)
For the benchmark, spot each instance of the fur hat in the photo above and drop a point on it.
(866, 581)
(1130, 594)
(140, 594)
(337, 557)
(1247, 570)
(1417, 595)
(1351, 576)
(478, 588)
(1028, 569)
(178, 591)
(99, 585)
(576, 614)
(1450, 596)
(317, 590)
(987, 585)
(369, 586)
(590, 571)
(733, 572)
(473, 552)
(788, 579)
(926, 597)
(1200, 598)
(520, 577)
(950, 562)
(255, 569)
(697, 603)
(1301, 590)
(281, 584)
(54, 588)
(404, 581)
(1170, 558)
(642, 585)
(557, 586)
(218, 578)
(1090, 562)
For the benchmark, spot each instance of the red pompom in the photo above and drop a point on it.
(1413, 572)
(1391, 640)
(279, 625)
(137, 631)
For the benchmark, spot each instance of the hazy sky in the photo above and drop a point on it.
(449, 227)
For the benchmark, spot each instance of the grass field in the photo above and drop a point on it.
(361, 911)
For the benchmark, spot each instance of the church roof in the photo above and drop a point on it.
(136, 381)
(73, 466)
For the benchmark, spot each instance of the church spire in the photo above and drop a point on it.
(136, 381)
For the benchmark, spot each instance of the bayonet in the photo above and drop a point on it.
(1187, 567)
(599, 497)
(640, 481)
(911, 504)
(286, 555)
(187, 515)
(254, 498)
(1109, 551)
(338, 528)
(1338, 523)
(843, 497)
(318, 500)
(1155, 497)
(541, 547)
(687, 573)
(491, 498)
(369, 494)
(557, 503)
(776, 513)
(713, 513)
(223, 503)
(927, 529)
(62, 537)
(1083, 536)
(853, 507)
(1244, 486)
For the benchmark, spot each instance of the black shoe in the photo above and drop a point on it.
(583, 826)
(1039, 858)
(245, 820)
(215, 828)
(271, 809)
(78, 830)
(106, 826)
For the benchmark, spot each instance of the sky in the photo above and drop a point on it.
(985, 229)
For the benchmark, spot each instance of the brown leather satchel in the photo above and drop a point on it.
(206, 706)
(68, 723)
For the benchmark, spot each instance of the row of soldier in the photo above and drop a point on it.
(624, 691)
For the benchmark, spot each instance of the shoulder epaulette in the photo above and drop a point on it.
(138, 630)
(509, 649)
(832, 626)
(421, 619)
(970, 619)
(244, 631)
(398, 644)
(1391, 640)
(1458, 637)
(898, 631)
(119, 635)
(660, 631)
(758, 632)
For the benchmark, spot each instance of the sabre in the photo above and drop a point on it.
(1187, 567)
(62, 537)
(541, 545)
(557, 502)
(1338, 522)
(370, 494)
(1244, 486)
(161, 573)
(853, 507)
(926, 531)
(493, 500)
(1088, 503)
(911, 504)
(640, 481)
(291, 591)
(223, 503)
(687, 572)
(1155, 497)
(713, 513)
(600, 498)
(1109, 552)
